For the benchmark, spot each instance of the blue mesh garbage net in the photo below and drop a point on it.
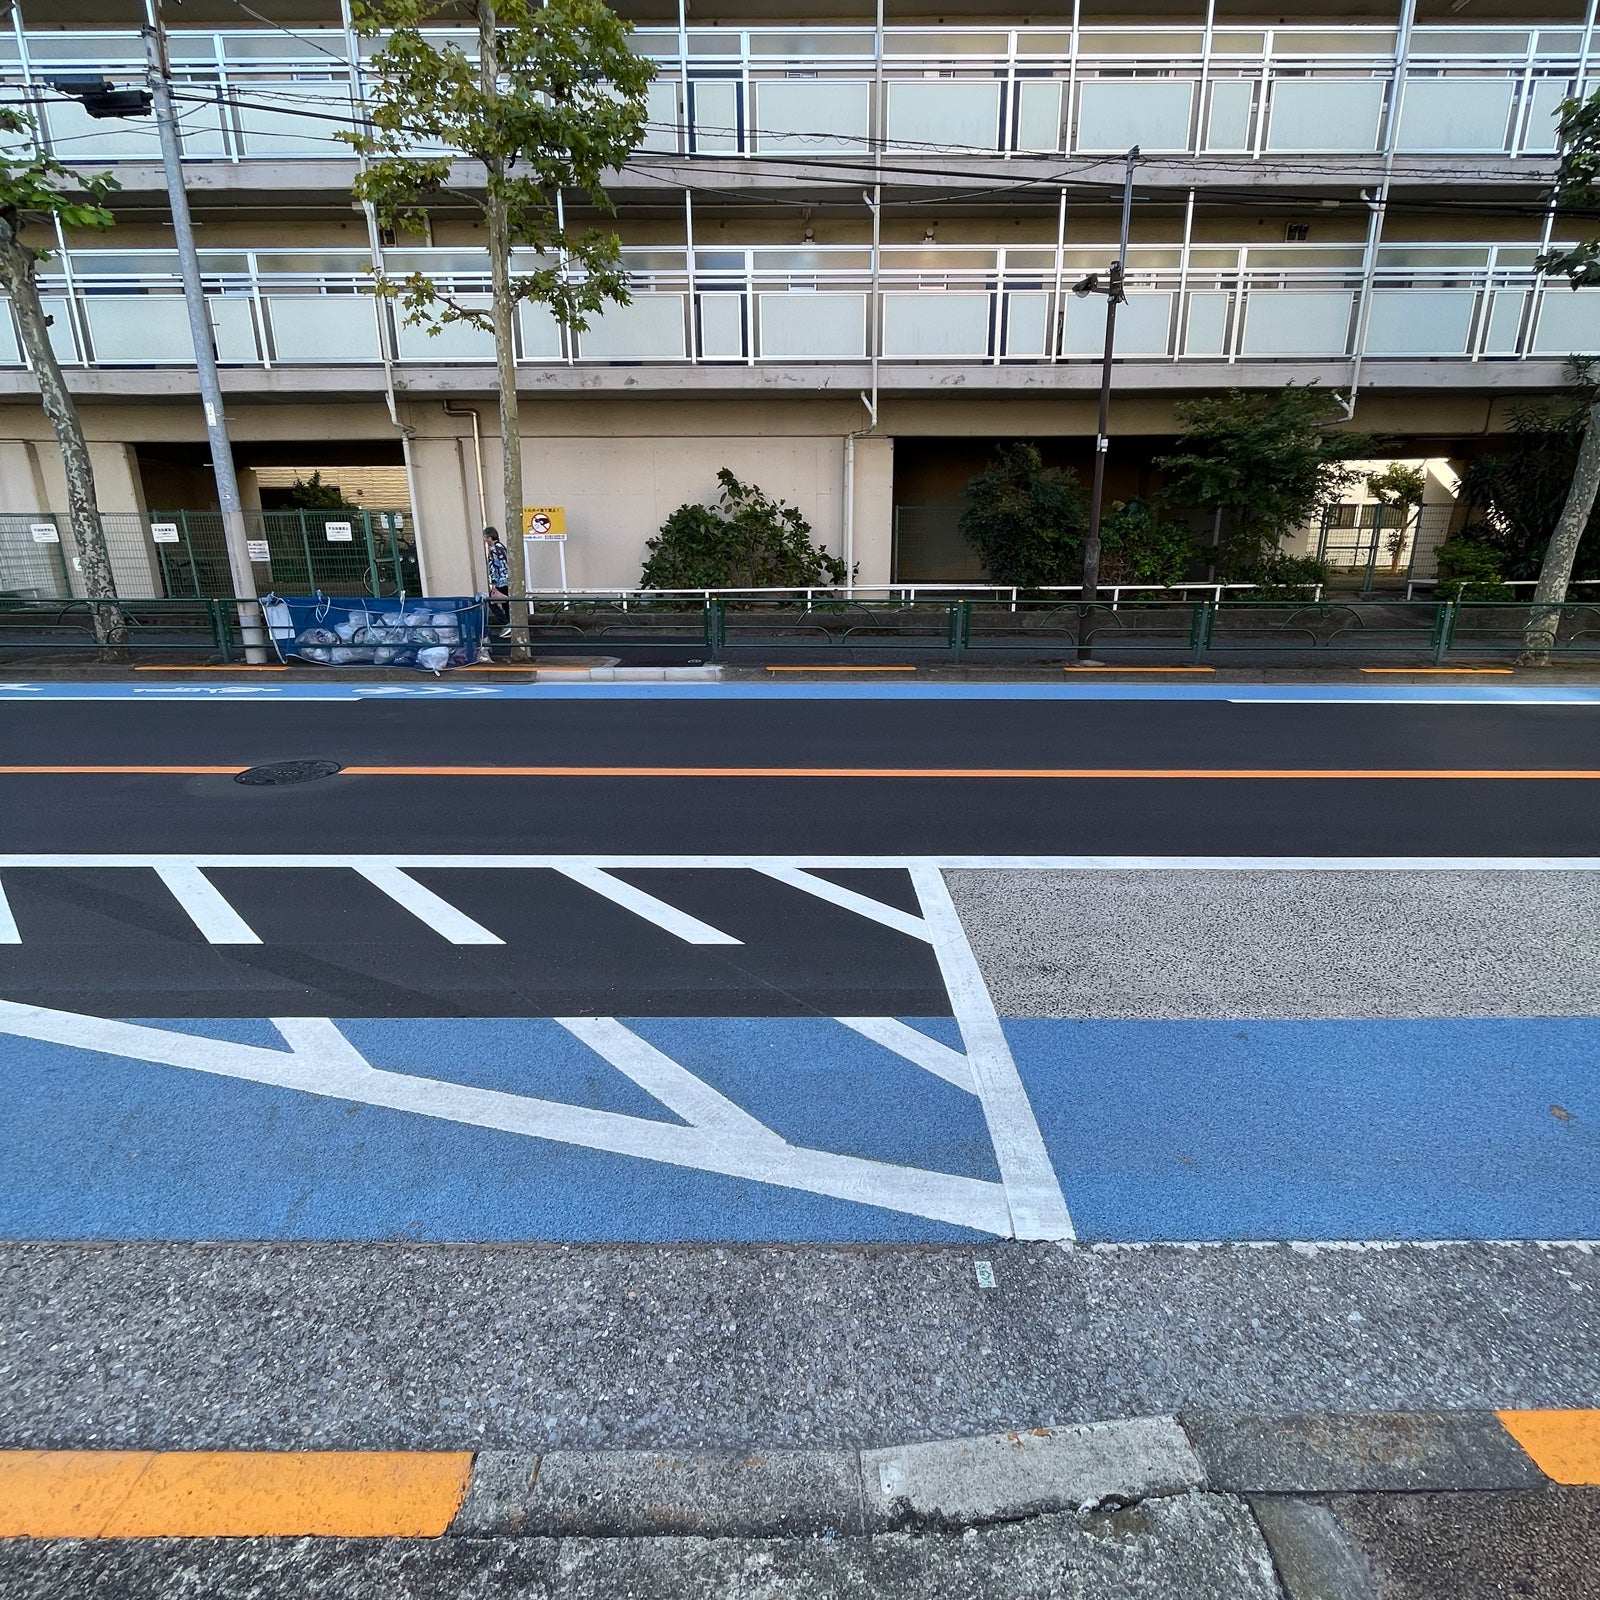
(427, 634)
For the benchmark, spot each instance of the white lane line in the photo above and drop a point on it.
(8, 923)
(588, 868)
(939, 1196)
(690, 929)
(203, 902)
(863, 905)
(664, 1079)
(1038, 1210)
(423, 903)
(915, 1047)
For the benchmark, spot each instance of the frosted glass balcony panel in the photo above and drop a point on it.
(1297, 322)
(1544, 107)
(10, 350)
(1118, 113)
(455, 341)
(1419, 322)
(1569, 323)
(79, 137)
(62, 338)
(715, 102)
(1207, 331)
(325, 327)
(285, 130)
(233, 328)
(1144, 325)
(1039, 114)
(648, 329)
(1228, 122)
(539, 331)
(1505, 321)
(722, 326)
(661, 115)
(812, 327)
(935, 324)
(1027, 324)
(138, 327)
(944, 111)
(810, 116)
(1455, 114)
(1337, 114)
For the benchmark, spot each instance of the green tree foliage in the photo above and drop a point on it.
(552, 100)
(1470, 569)
(34, 187)
(1399, 490)
(1258, 466)
(1139, 545)
(1026, 520)
(312, 494)
(745, 541)
(1515, 495)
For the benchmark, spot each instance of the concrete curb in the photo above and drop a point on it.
(938, 1486)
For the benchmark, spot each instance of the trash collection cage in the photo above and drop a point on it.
(427, 634)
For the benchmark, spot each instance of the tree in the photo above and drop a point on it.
(1141, 547)
(1401, 488)
(746, 541)
(1260, 465)
(553, 100)
(32, 185)
(1577, 189)
(312, 494)
(1027, 521)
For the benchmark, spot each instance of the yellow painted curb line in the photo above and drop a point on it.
(1564, 1445)
(205, 1494)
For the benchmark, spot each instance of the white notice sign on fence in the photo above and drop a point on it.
(164, 532)
(257, 550)
(44, 533)
(338, 532)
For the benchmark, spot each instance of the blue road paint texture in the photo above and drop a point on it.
(1158, 1131)
(1281, 693)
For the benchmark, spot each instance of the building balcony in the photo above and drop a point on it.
(729, 312)
(1449, 100)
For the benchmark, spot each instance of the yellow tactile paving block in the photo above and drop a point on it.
(134, 1494)
(1564, 1445)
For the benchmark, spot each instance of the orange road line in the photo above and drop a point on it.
(841, 669)
(1468, 672)
(1543, 774)
(1564, 1445)
(204, 1494)
(212, 669)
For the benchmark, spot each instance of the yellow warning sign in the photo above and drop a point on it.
(544, 522)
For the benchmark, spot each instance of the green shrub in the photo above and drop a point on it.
(1469, 569)
(1136, 546)
(1277, 576)
(745, 541)
(1026, 520)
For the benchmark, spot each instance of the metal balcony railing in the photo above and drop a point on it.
(731, 305)
(836, 93)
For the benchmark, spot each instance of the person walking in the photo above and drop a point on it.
(498, 562)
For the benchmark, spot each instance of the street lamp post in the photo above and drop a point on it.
(1112, 289)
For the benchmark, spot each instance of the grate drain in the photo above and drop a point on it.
(281, 772)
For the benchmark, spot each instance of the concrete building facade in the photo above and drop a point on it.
(851, 238)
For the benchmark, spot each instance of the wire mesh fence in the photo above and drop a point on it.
(184, 554)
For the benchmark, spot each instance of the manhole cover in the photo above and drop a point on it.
(280, 772)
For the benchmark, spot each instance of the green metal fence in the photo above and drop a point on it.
(175, 554)
(762, 629)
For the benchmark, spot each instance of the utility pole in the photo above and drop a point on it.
(1112, 289)
(205, 356)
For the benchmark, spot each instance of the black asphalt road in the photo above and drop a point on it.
(857, 815)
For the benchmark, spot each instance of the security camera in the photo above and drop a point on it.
(1087, 286)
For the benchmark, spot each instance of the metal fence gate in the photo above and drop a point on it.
(182, 554)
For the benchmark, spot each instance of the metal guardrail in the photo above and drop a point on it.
(966, 629)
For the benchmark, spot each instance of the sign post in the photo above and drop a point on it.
(543, 525)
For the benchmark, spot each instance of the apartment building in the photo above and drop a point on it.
(852, 239)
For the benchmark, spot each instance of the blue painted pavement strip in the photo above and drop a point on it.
(1190, 1130)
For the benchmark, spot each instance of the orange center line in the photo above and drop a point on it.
(1057, 773)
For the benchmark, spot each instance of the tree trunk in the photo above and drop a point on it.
(17, 272)
(502, 313)
(1554, 576)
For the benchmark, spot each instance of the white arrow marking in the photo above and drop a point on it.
(316, 1065)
